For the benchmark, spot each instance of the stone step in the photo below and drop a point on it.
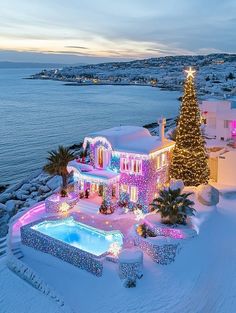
(18, 254)
(3, 239)
(3, 245)
(2, 253)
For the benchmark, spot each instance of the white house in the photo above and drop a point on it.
(124, 160)
(219, 118)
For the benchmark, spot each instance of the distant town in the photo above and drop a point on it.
(216, 73)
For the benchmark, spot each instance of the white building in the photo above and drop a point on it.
(219, 118)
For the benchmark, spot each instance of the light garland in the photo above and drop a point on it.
(149, 156)
(64, 207)
(61, 250)
(92, 141)
(114, 249)
(139, 215)
(189, 160)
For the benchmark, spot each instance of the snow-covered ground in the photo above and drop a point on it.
(202, 278)
(17, 296)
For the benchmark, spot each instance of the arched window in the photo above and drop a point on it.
(100, 155)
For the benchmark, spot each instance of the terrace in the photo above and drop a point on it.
(26, 233)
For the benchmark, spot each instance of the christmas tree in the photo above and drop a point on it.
(189, 160)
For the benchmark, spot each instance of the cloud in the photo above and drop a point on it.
(76, 47)
(128, 29)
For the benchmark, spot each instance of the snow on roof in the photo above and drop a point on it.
(215, 105)
(132, 139)
(87, 171)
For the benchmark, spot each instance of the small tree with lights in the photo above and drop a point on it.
(189, 159)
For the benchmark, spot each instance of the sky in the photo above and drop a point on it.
(90, 31)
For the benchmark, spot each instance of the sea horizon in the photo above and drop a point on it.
(39, 115)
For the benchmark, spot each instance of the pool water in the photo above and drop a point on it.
(79, 235)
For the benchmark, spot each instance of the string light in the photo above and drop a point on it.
(114, 249)
(189, 160)
(139, 215)
(64, 207)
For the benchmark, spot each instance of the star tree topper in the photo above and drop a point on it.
(190, 72)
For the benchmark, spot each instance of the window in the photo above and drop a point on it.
(133, 166)
(124, 164)
(164, 159)
(124, 188)
(211, 122)
(136, 166)
(133, 193)
(226, 123)
(161, 160)
(100, 157)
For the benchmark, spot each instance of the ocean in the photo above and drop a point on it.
(38, 115)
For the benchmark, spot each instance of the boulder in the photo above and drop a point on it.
(30, 202)
(34, 194)
(3, 207)
(42, 178)
(20, 194)
(54, 182)
(38, 198)
(4, 197)
(26, 187)
(4, 217)
(36, 186)
(207, 195)
(44, 189)
(176, 184)
(33, 188)
(11, 205)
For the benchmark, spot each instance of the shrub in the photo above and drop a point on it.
(130, 283)
(173, 206)
(106, 207)
(144, 231)
(124, 200)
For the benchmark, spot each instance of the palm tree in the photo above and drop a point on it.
(57, 163)
(173, 206)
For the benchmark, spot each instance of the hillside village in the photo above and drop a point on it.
(216, 73)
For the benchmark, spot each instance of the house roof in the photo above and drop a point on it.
(92, 174)
(132, 139)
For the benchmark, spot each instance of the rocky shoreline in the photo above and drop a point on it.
(39, 185)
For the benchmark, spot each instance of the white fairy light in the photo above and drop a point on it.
(139, 215)
(64, 207)
(114, 248)
(190, 72)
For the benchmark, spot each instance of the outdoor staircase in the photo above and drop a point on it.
(87, 206)
(3, 246)
(16, 250)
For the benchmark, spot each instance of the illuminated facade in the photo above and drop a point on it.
(125, 161)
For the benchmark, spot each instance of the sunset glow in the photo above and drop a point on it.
(107, 30)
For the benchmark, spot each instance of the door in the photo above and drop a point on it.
(100, 157)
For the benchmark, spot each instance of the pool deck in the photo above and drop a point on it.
(86, 211)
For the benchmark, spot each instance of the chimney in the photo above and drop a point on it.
(162, 122)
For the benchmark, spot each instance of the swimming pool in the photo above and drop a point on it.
(79, 235)
(71, 241)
